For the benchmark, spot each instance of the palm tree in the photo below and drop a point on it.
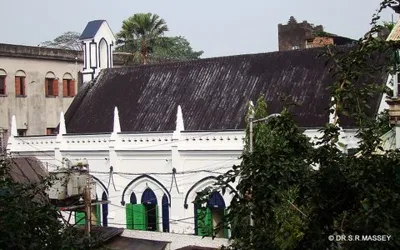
(140, 33)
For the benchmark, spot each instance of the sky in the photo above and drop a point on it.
(218, 27)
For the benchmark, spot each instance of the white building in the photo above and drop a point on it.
(155, 135)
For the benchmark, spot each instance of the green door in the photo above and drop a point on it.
(204, 222)
(98, 215)
(226, 226)
(79, 218)
(139, 217)
(129, 216)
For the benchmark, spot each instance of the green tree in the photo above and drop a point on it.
(68, 40)
(178, 49)
(296, 207)
(140, 33)
(143, 36)
(29, 221)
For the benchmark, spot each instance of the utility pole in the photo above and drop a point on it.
(251, 124)
(88, 203)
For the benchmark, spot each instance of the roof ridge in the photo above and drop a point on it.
(221, 58)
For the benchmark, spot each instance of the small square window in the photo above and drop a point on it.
(51, 131)
(21, 132)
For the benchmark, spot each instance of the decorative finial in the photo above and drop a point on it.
(117, 125)
(62, 128)
(14, 131)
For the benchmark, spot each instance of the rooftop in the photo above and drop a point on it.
(213, 93)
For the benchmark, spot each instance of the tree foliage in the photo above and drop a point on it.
(28, 221)
(298, 192)
(178, 49)
(142, 35)
(68, 40)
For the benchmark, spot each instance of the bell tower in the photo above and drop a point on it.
(98, 43)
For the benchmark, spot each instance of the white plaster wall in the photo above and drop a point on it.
(177, 240)
(34, 110)
(193, 155)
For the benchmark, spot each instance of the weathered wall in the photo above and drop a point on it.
(34, 112)
(320, 41)
(194, 155)
(295, 34)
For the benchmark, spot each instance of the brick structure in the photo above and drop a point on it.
(293, 34)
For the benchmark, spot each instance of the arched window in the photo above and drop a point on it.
(51, 85)
(3, 75)
(103, 54)
(143, 216)
(68, 85)
(20, 84)
(211, 216)
(165, 213)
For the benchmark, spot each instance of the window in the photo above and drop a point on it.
(209, 217)
(20, 84)
(295, 47)
(51, 131)
(2, 85)
(68, 85)
(21, 132)
(3, 76)
(51, 85)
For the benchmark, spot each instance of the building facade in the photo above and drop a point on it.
(156, 135)
(37, 83)
(295, 35)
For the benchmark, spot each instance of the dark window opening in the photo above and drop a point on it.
(21, 132)
(49, 86)
(51, 131)
(151, 212)
(2, 85)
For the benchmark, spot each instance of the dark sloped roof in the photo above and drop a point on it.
(120, 243)
(27, 169)
(91, 29)
(213, 93)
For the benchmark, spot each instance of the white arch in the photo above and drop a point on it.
(3, 72)
(203, 185)
(50, 75)
(20, 73)
(67, 76)
(103, 54)
(141, 185)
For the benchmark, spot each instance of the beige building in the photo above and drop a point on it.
(36, 84)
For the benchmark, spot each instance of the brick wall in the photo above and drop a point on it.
(295, 34)
(320, 41)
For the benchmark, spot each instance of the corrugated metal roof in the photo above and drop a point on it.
(91, 29)
(122, 243)
(213, 93)
(27, 169)
(196, 248)
(395, 33)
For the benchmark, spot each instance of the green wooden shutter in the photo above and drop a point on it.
(139, 217)
(98, 215)
(157, 224)
(226, 226)
(204, 222)
(129, 216)
(80, 218)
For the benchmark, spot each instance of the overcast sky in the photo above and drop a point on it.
(219, 27)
